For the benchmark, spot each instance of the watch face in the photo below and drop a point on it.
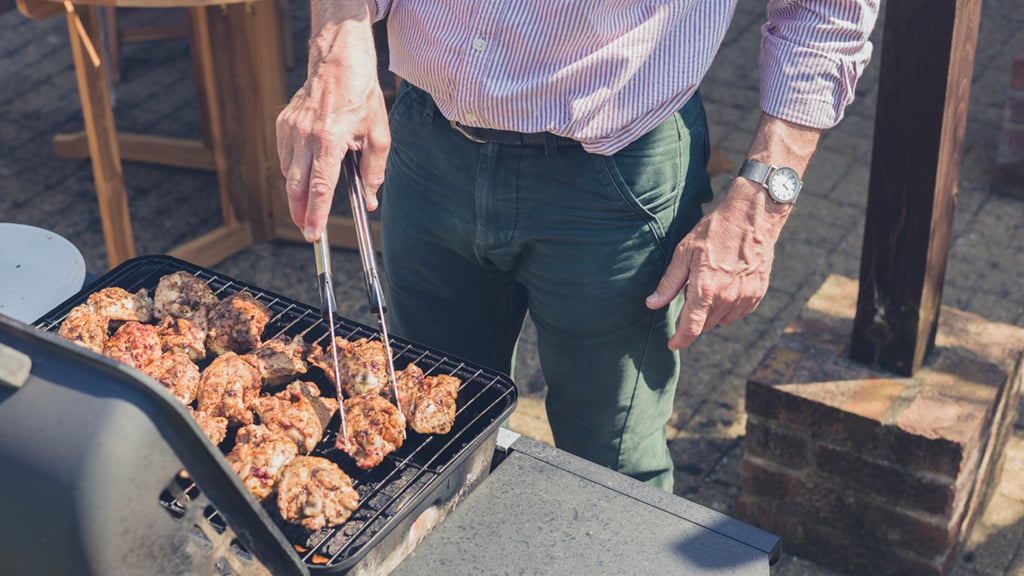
(784, 184)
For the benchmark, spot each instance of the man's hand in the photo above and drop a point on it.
(339, 109)
(724, 264)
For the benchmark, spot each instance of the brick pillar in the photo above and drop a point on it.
(1009, 168)
(867, 472)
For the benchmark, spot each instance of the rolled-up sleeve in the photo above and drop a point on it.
(812, 55)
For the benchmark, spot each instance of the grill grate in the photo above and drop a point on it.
(389, 492)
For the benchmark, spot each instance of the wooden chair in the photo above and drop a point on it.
(240, 75)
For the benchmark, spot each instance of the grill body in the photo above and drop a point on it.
(104, 472)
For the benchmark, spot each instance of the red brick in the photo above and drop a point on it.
(777, 444)
(771, 516)
(894, 485)
(916, 452)
(1013, 112)
(814, 500)
(823, 544)
(811, 417)
(1017, 72)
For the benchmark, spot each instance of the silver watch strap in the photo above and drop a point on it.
(756, 171)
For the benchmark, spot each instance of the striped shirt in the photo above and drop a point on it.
(605, 72)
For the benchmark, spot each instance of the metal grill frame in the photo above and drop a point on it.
(390, 492)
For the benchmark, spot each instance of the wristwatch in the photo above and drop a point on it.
(782, 182)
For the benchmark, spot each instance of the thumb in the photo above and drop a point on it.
(671, 283)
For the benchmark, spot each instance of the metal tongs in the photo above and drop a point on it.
(327, 308)
(374, 290)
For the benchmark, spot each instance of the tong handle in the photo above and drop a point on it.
(371, 277)
(328, 304)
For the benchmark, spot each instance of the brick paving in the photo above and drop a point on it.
(38, 98)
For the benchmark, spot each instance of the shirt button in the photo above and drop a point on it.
(470, 117)
(479, 44)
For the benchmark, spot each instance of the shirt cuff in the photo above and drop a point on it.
(807, 86)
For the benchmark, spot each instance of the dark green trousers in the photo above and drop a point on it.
(475, 235)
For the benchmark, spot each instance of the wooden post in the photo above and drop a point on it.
(924, 87)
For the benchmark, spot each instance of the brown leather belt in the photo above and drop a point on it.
(510, 138)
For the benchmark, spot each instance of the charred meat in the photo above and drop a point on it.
(293, 414)
(428, 402)
(178, 373)
(236, 324)
(315, 493)
(362, 364)
(184, 336)
(214, 427)
(229, 387)
(86, 327)
(258, 457)
(134, 344)
(120, 305)
(375, 429)
(182, 295)
(281, 358)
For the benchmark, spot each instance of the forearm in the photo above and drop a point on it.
(777, 142)
(341, 45)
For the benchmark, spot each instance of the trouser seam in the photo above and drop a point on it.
(636, 386)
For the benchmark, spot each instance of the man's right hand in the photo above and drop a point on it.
(339, 109)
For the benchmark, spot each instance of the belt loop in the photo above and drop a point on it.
(550, 144)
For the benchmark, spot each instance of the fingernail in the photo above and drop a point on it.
(310, 234)
(653, 298)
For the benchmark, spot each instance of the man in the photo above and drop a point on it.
(549, 157)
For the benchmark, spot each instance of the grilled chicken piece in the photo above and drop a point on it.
(184, 336)
(236, 324)
(258, 457)
(281, 358)
(215, 427)
(363, 366)
(229, 387)
(120, 305)
(134, 344)
(375, 429)
(293, 414)
(178, 373)
(182, 295)
(315, 493)
(427, 402)
(85, 327)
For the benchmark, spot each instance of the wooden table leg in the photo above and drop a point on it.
(102, 135)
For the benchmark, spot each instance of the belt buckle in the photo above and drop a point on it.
(460, 130)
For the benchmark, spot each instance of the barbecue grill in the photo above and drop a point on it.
(106, 473)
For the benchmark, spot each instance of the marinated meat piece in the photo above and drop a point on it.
(434, 409)
(427, 402)
(182, 295)
(293, 414)
(178, 373)
(134, 344)
(315, 493)
(375, 429)
(408, 382)
(120, 305)
(236, 324)
(258, 457)
(85, 327)
(184, 336)
(229, 387)
(363, 366)
(282, 358)
(215, 427)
